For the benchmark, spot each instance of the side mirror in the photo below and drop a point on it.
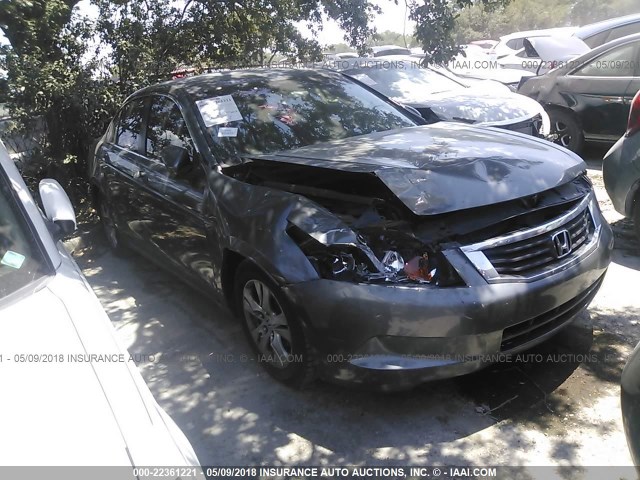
(175, 158)
(57, 206)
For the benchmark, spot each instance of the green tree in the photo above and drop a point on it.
(148, 40)
(55, 81)
(583, 12)
(478, 22)
(393, 38)
(436, 24)
(50, 86)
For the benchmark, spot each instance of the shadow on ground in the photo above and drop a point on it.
(234, 414)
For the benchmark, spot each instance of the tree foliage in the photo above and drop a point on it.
(393, 38)
(70, 73)
(50, 86)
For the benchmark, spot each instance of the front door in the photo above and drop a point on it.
(173, 200)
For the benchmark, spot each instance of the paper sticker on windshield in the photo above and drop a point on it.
(364, 78)
(227, 132)
(218, 110)
(12, 259)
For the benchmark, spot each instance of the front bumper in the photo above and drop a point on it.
(395, 337)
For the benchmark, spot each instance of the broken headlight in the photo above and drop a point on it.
(358, 263)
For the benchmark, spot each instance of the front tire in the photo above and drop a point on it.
(272, 329)
(566, 127)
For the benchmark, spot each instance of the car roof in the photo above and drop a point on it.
(381, 48)
(547, 32)
(198, 85)
(598, 50)
(595, 28)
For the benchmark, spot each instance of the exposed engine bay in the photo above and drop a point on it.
(376, 238)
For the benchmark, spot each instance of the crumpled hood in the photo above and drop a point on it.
(445, 167)
(473, 105)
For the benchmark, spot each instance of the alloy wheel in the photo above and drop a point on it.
(267, 323)
(563, 132)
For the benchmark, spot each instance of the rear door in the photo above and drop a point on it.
(597, 91)
(122, 160)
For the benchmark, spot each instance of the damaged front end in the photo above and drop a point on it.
(358, 230)
(376, 256)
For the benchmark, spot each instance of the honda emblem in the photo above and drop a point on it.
(562, 243)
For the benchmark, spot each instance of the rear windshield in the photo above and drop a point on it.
(292, 109)
(21, 260)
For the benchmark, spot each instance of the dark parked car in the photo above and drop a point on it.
(596, 34)
(351, 241)
(630, 402)
(439, 97)
(588, 97)
(621, 169)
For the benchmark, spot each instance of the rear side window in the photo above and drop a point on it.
(129, 130)
(619, 62)
(515, 43)
(596, 40)
(21, 260)
(623, 31)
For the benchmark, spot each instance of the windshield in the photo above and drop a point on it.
(21, 261)
(261, 113)
(407, 84)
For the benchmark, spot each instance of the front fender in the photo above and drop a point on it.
(254, 222)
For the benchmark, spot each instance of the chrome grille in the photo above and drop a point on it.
(526, 256)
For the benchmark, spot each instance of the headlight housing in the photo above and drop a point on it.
(358, 263)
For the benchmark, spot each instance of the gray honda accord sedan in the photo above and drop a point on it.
(352, 241)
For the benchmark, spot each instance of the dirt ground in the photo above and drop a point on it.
(563, 410)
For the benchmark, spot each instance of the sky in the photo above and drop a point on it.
(392, 18)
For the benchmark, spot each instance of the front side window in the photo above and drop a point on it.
(257, 113)
(166, 127)
(166, 131)
(619, 62)
(129, 127)
(21, 260)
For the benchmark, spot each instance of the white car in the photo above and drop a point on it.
(71, 394)
(514, 42)
(482, 67)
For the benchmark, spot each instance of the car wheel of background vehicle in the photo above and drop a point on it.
(272, 329)
(566, 128)
(108, 225)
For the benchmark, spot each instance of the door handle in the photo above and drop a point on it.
(138, 174)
